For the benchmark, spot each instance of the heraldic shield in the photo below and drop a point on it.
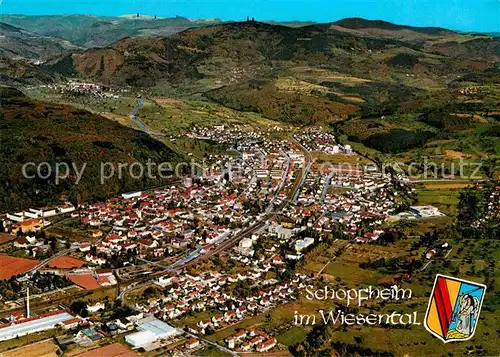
(454, 307)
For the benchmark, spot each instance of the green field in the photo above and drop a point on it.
(293, 336)
(444, 199)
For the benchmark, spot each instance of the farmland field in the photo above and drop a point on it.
(5, 238)
(446, 199)
(114, 350)
(45, 348)
(11, 266)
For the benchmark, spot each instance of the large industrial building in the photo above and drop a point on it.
(150, 330)
(34, 324)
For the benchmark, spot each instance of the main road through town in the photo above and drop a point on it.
(197, 255)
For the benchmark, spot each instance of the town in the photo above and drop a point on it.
(256, 214)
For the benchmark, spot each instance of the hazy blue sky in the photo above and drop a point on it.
(467, 15)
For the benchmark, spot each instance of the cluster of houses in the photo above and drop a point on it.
(274, 161)
(492, 209)
(275, 235)
(350, 199)
(206, 208)
(96, 90)
(316, 139)
(248, 340)
(31, 243)
(79, 87)
(161, 220)
(212, 292)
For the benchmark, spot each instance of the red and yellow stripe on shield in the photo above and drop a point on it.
(443, 300)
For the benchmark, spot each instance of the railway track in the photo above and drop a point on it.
(225, 245)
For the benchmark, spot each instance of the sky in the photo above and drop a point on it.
(464, 15)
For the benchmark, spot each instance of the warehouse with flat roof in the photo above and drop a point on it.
(150, 330)
(34, 324)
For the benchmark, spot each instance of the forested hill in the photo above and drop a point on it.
(37, 132)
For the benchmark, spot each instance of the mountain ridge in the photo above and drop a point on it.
(177, 57)
(20, 43)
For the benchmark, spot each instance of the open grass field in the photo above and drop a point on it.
(211, 352)
(320, 74)
(295, 85)
(11, 266)
(421, 226)
(293, 336)
(446, 199)
(269, 354)
(174, 117)
(68, 228)
(46, 348)
(446, 185)
(345, 268)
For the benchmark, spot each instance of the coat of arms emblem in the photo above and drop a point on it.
(454, 307)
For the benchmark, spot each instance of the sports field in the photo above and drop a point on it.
(86, 281)
(66, 262)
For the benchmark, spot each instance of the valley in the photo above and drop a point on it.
(176, 187)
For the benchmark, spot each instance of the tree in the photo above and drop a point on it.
(150, 292)
(53, 244)
(469, 206)
(79, 308)
(359, 339)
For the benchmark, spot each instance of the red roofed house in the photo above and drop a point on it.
(192, 343)
(71, 323)
(266, 345)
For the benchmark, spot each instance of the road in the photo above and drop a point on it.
(309, 162)
(326, 187)
(139, 122)
(430, 261)
(195, 256)
(46, 261)
(280, 187)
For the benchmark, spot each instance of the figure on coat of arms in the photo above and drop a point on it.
(465, 317)
(467, 314)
